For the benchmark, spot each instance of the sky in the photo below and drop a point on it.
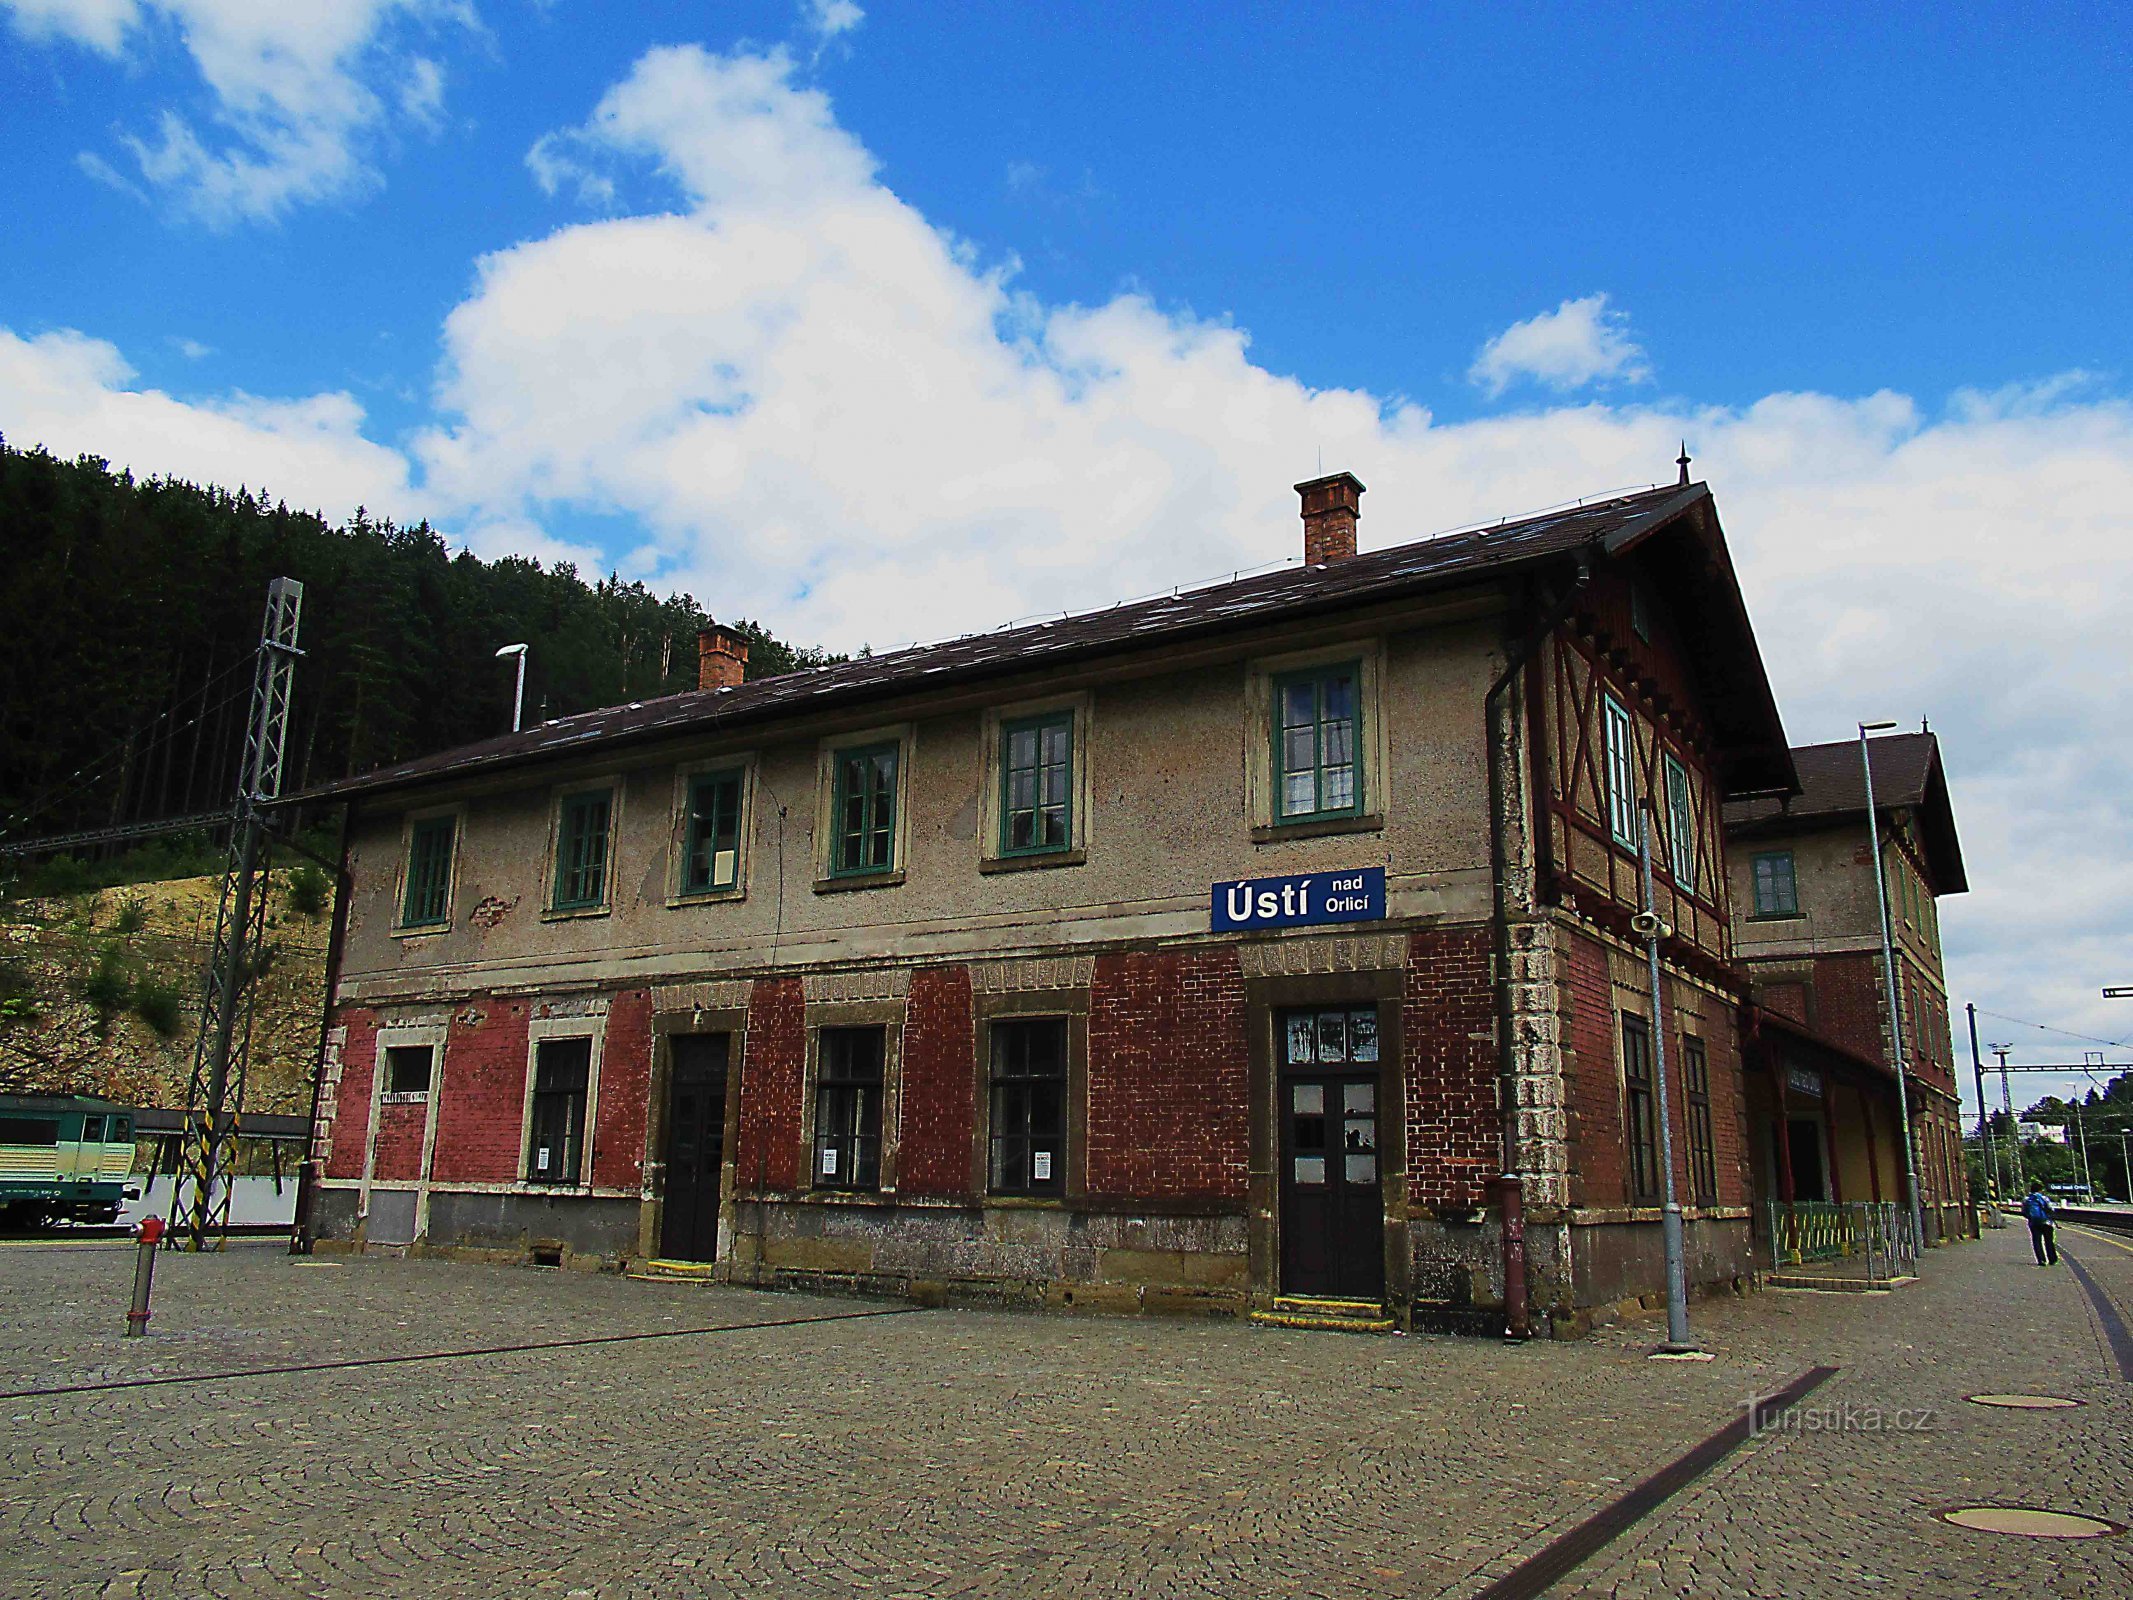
(878, 324)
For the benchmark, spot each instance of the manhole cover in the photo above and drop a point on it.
(2024, 1402)
(2029, 1522)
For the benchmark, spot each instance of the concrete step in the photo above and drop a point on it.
(1325, 1315)
(656, 1271)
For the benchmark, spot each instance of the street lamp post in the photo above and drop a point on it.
(1678, 1342)
(518, 698)
(1888, 968)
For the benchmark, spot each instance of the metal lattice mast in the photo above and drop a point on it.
(221, 1054)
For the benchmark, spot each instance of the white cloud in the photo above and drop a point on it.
(827, 19)
(820, 410)
(77, 395)
(297, 94)
(1580, 342)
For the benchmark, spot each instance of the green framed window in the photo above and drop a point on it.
(427, 902)
(711, 850)
(1680, 825)
(1318, 744)
(1640, 1112)
(1621, 736)
(1776, 892)
(848, 1108)
(1703, 1153)
(581, 850)
(863, 801)
(1037, 784)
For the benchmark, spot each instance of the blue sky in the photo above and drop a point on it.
(893, 322)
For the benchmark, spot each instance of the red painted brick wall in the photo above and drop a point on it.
(1848, 1002)
(351, 1103)
(1167, 1077)
(1599, 1159)
(399, 1153)
(939, 1084)
(774, 1068)
(1720, 1032)
(625, 1091)
(1447, 1026)
(481, 1095)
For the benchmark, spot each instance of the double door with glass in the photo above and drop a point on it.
(1332, 1199)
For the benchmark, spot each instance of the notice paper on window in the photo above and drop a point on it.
(541, 1159)
(1041, 1166)
(829, 1163)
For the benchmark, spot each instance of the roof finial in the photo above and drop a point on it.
(1682, 461)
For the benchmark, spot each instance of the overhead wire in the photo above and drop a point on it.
(89, 772)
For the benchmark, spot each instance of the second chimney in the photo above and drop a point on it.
(721, 658)
(1330, 509)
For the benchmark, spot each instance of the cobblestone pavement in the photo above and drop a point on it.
(979, 1454)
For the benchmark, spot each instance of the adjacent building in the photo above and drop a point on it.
(1822, 1056)
(1264, 946)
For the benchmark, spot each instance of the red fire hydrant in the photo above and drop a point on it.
(149, 1230)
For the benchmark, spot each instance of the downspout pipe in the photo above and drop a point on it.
(303, 1235)
(1510, 1186)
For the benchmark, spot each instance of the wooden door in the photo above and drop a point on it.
(1332, 1204)
(696, 1146)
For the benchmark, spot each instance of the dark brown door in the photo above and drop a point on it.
(1332, 1207)
(696, 1146)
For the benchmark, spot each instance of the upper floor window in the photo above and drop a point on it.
(1680, 824)
(1318, 746)
(581, 850)
(1776, 895)
(1621, 736)
(863, 809)
(711, 843)
(1037, 784)
(427, 899)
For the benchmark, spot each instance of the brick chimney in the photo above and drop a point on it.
(721, 658)
(1330, 509)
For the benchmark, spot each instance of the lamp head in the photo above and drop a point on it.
(1875, 727)
(512, 650)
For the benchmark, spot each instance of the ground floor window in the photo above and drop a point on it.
(848, 1108)
(1029, 1074)
(1640, 1125)
(1703, 1157)
(562, 1070)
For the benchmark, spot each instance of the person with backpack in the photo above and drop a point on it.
(2042, 1234)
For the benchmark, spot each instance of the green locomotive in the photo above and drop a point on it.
(63, 1158)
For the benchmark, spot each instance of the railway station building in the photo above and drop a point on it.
(1262, 948)
(1825, 1117)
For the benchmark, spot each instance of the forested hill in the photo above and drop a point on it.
(129, 612)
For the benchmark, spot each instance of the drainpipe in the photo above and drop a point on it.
(307, 1171)
(1510, 1187)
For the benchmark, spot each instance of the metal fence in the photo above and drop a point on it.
(1874, 1240)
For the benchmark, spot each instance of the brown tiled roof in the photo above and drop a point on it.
(1293, 592)
(1907, 776)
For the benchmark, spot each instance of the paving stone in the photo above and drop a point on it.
(966, 1453)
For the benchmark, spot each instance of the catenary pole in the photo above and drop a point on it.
(1888, 968)
(1984, 1120)
(1678, 1341)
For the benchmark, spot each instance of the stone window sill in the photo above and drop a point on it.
(1034, 861)
(705, 897)
(1318, 827)
(859, 880)
(574, 913)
